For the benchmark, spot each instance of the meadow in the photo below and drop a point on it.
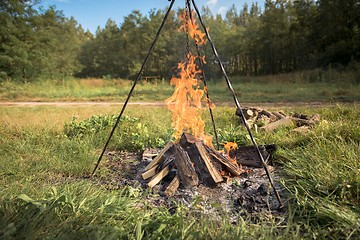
(305, 86)
(47, 152)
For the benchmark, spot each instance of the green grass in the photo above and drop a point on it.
(44, 194)
(311, 86)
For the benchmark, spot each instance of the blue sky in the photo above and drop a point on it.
(93, 13)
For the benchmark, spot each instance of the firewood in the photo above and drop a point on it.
(185, 168)
(315, 118)
(188, 139)
(305, 122)
(271, 116)
(201, 169)
(262, 120)
(232, 168)
(159, 176)
(212, 170)
(173, 186)
(159, 157)
(149, 155)
(274, 125)
(149, 173)
(248, 112)
(278, 115)
(302, 130)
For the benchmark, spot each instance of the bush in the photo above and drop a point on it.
(131, 135)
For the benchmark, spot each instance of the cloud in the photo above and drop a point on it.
(211, 3)
(222, 10)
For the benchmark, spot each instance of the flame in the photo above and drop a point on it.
(188, 25)
(228, 147)
(188, 98)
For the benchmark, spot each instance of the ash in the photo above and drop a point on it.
(248, 195)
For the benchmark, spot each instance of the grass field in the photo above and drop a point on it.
(46, 153)
(310, 86)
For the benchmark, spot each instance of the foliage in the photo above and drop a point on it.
(37, 43)
(285, 36)
(94, 124)
(131, 135)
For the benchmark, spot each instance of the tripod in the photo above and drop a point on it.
(189, 4)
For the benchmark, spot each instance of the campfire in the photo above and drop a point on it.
(191, 159)
(190, 162)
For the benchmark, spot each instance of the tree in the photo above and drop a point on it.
(16, 37)
(37, 43)
(337, 40)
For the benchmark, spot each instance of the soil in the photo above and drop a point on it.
(248, 195)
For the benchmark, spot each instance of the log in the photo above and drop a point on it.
(200, 167)
(306, 122)
(216, 176)
(188, 139)
(159, 176)
(185, 168)
(232, 168)
(149, 173)
(159, 157)
(274, 125)
(302, 130)
(173, 186)
(149, 155)
(278, 115)
(271, 116)
(248, 112)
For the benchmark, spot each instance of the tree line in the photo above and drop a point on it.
(285, 36)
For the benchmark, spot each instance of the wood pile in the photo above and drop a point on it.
(189, 163)
(269, 121)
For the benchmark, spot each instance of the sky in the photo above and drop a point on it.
(93, 13)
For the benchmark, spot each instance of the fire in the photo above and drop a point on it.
(188, 98)
(188, 25)
(228, 147)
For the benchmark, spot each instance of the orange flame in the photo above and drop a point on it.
(188, 25)
(187, 101)
(228, 147)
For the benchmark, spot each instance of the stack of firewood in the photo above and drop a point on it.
(189, 163)
(269, 121)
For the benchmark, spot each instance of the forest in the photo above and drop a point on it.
(285, 36)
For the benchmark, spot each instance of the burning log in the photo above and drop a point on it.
(212, 170)
(194, 164)
(232, 168)
(185, 168)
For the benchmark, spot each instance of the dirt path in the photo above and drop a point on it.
(89, 103)
(70, 104)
